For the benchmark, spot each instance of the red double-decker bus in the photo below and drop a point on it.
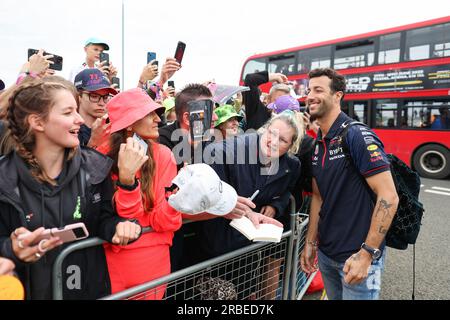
(398, 82)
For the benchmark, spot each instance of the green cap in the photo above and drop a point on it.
(169, 103)
(224, 113)
(98, 41)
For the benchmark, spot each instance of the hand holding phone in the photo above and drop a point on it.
(57, 60)
(200, 118)
(69, 233)
(104, 57)
(143, 144)
(116, 81)
(179, 52)
(171, 84)
(132, 155)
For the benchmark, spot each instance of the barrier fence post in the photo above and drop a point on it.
(301, 225)
(57, 277)
(296, 235)
(57, 265)
(290, 251)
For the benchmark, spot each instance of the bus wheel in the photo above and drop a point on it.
(432, 161)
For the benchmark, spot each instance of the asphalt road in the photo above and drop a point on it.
(432, 251)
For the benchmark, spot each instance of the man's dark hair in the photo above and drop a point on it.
(189, 93)
(337, 79)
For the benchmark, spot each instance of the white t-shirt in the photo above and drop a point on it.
(77, 70)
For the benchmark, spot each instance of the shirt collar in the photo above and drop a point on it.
(335, 127)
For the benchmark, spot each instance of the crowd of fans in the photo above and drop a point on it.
(79, 150)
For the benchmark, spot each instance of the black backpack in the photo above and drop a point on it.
(406, 224)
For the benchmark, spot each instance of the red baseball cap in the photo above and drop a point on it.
(129, 106)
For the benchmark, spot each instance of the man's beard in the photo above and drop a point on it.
(321, 111)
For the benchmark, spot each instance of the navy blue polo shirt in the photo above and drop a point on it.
(347, 207)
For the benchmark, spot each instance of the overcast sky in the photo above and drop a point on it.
(219, 35)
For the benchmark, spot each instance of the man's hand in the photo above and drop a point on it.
(125, 232)
(131, 159)
(277, 77)
(100, 132)
(357, 267)
(308, 257)
(168, 70)
(258, 218)
(268, 211)
(243, 206)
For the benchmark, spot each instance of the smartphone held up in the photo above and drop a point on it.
(151, 56)
(116, 82)
(179, 52)
(200, 118)
(104, 57)
(57, 60)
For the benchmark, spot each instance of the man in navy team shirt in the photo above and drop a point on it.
(348, 221)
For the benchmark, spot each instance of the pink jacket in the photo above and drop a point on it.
(163, 219)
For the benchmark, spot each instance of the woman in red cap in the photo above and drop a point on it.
(142, 169)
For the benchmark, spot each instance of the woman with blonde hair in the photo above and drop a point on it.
(263, 162)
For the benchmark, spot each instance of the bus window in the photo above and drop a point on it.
(386, 113)
(360, 111)
(428, 42)
(355, 54)
(253, 66)
(389, 48)
(282, 64)
(441, 48)
(310, 59)
(417, 114)
(441, 118)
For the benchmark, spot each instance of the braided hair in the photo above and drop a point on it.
(34, 97)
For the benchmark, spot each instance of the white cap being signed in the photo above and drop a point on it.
(201, 190)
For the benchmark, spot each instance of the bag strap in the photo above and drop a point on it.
(348, 156)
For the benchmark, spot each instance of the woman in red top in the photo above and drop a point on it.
(142, 169)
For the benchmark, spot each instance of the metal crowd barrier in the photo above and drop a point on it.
(301, 280)
(260, 271)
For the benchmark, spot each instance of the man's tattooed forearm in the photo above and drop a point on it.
(382, 230)
(384, 207)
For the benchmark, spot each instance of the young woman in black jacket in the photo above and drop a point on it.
(47, 182)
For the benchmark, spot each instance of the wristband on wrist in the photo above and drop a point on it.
(23, 75)
(127, 186)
